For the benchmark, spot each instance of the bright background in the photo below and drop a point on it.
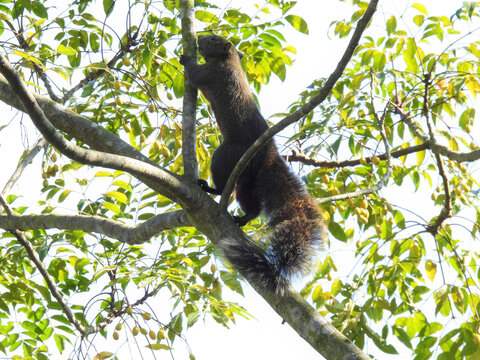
(263, 337)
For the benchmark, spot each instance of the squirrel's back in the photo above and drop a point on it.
(266, 184)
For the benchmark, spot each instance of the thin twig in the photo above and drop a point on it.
(388, 171)
(38, 69)
(27, 160)
(446, 211)
(93, 75)
(300, 157)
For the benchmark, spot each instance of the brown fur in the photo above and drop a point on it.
(266, 185)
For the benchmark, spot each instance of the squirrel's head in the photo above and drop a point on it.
(214, 46)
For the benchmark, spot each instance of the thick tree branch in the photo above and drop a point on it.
(219, 227)
(305, 109)
(74, 124)
(454, 155)
(140, 166)
(189, 151)
(95, 224)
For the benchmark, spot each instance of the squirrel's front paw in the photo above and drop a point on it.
(203, 184)
(240, 220)
(184, 59)
(208, 189)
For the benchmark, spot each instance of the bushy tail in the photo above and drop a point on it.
(295, 238)
(250, 259)
(296, 230)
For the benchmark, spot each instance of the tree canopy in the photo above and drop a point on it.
(114, 239)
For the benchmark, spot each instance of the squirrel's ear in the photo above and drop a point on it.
(228, 45)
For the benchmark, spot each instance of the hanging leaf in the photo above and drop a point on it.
(298, 23)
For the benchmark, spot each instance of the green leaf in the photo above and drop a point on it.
(120, 197)
(27, 56)
(157, 347)
(443, 303)
(420, 8)
(290, 48)
(336, 287)
(178, 85)
(430, 269)
(399, 219)
(78, 263)
(108, 6)
(64, 50)
(205, 16)
(420, 157)
(192, 318)
(298, 23)
(61, 319)
(60, 342)
(99, 66)
(337, 231)
(94, 41)
(271, 40)
(39, 9)
(419, 20)
(403, 337)
(467, 118)
(123, 184)
(112, 207)
(379, 60)
(231, 281)
(103, 174)
(317, 294)
(409, 55)
(278, 67)
(391, 25)
(64, 195)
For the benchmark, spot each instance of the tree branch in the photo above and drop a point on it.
(189, 151)
(38, 69)
(381, 183)
(138, 165)
(219, 227)
(33, 256)
(74, 124)
(446, 211)
(300, 157)
(305, 109)
(114, 229)
(433, 145)
(132, 41)
(27, 160)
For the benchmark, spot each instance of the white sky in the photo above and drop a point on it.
(265, 337)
